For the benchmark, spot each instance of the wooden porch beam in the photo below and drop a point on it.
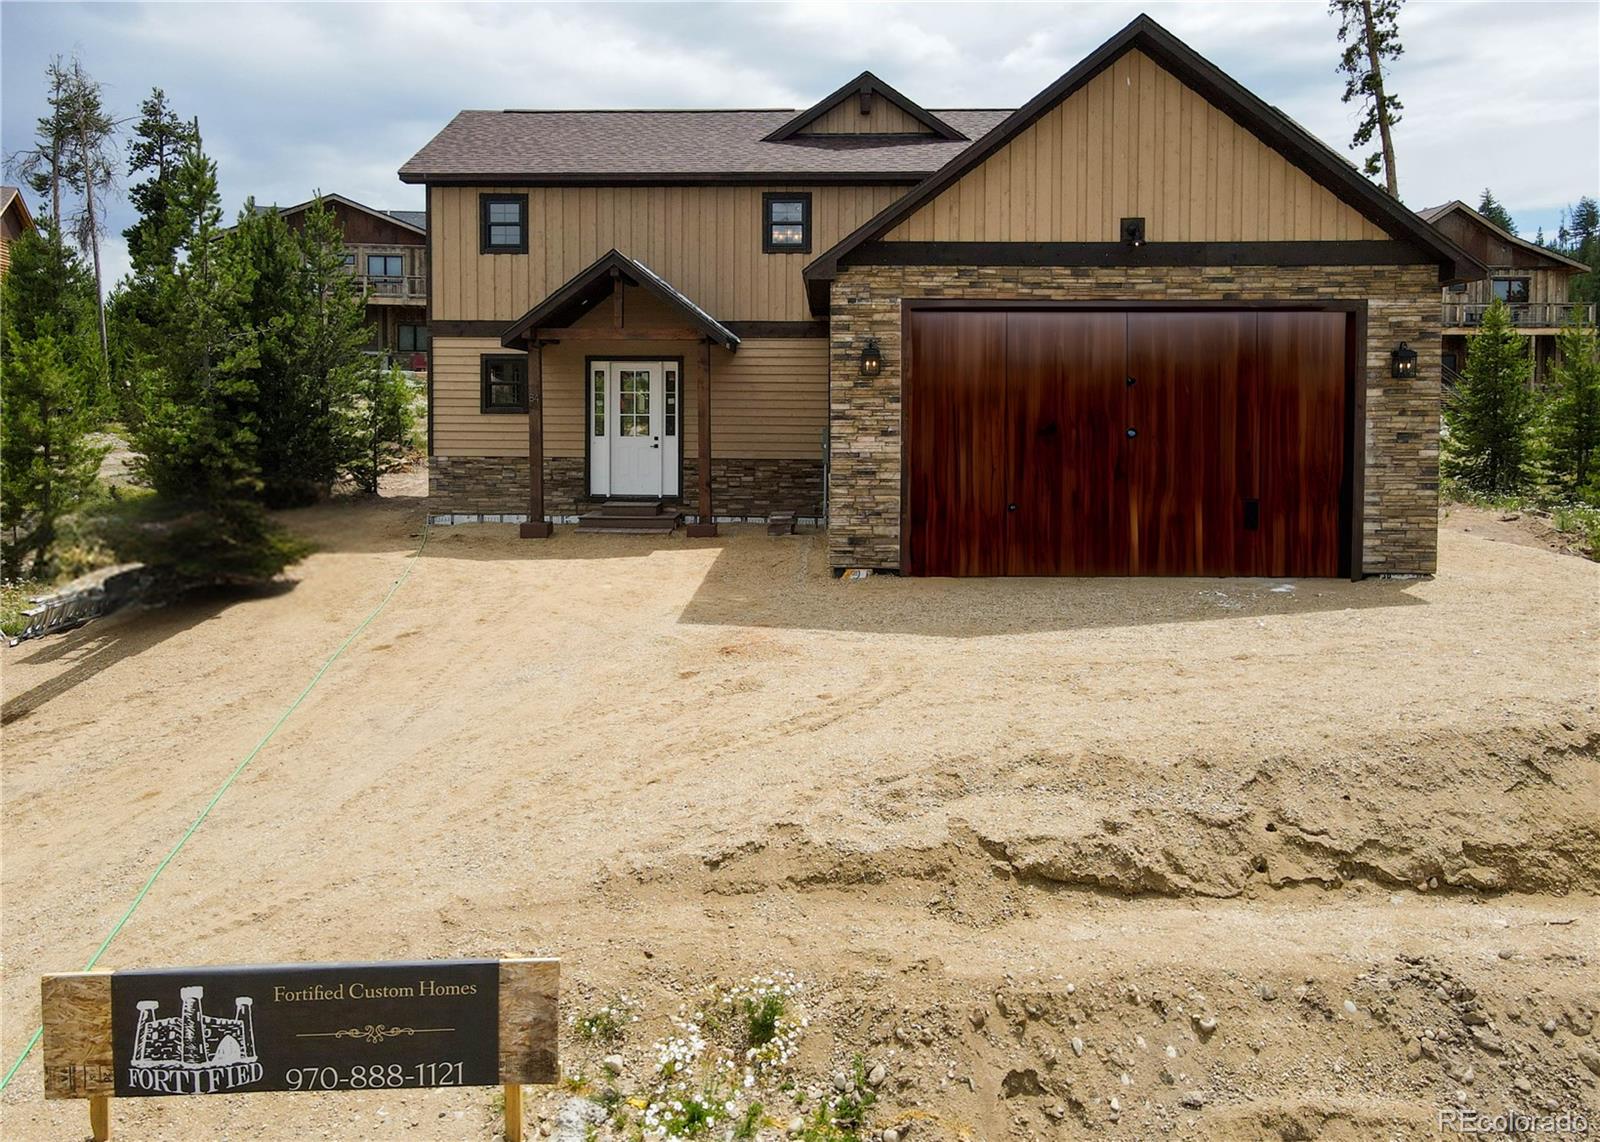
(616, 299)
(537, 527)
(608, 334)
(708, 520)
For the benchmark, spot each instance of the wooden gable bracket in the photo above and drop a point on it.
(616, 299)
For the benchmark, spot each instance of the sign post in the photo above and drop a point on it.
(300, 1027)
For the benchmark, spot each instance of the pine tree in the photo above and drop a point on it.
(1489, 206)
(196, 436)
(384, 424)
(1488, 448)
(1370, 31)
(197, 431)
(1572, 414)
(332, 343)
(48, 464)
(1585, 220)
(160, 140)
(286, 411)
(1582, 232)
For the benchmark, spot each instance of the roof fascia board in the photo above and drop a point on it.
(646, 178)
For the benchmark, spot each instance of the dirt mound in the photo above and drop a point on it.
(1493, 812)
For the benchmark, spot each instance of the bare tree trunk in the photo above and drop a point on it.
(55, 159)
(94, 248)
(1390, 179)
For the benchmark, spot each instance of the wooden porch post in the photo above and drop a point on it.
(537, 526)
(708, 519)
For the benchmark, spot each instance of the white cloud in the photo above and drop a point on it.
(293, 97)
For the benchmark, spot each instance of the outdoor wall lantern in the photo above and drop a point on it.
(871, 358)
(1403, 363)
(1133, 232)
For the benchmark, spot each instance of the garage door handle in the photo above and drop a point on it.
(1132, 432)
(1011, 507)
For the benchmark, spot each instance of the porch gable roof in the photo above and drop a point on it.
(579, 294)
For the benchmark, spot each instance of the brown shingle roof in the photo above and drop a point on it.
(643, 146)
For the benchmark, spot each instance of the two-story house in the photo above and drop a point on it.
(1143, 324)
(1532, 280)
(387, 253)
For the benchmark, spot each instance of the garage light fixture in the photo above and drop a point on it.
(871, 358)
(1133, 232)
(1403, 363)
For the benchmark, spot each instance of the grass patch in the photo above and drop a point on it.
(609, 1022)
(1578, 523)
(14, 598)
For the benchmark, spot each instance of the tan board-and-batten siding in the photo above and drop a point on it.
(769, 400)
(882, 118)
(1136, 142)
(705, 240)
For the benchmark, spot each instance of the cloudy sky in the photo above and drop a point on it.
(294, 97)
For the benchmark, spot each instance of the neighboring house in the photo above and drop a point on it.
(387, 251)
(14, 222)
(1533, 281)
(1145, 324)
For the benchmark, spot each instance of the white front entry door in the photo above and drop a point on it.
(634, 420)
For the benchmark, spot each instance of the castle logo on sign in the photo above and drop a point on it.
(192, 1052)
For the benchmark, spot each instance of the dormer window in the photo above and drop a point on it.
(786, 223)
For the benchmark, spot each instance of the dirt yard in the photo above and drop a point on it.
(1199, 858)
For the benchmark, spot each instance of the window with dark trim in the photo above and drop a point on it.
(1458, 287)
(503, 223)
(1512, 291)
(385, 265)
(786, 222)
(411, 338)
(505, 384)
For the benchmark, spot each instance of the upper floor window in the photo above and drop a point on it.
(505, 384)
(503, 222)
(385, 266)
(1512, 291)
(350, 261)
(786, 223)
(411, 339)
(1458, 287)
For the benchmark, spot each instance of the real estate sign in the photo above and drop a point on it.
(300, 1027)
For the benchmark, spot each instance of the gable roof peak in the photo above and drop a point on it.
(1275, 129)
(1434, 214)
(864, 87)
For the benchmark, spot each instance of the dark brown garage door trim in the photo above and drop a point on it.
(1355, 466)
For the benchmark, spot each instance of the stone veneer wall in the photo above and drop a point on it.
(741, 489)
(1401, 497)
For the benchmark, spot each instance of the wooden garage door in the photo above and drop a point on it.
(1080, 442)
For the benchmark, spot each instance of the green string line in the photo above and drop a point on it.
(411, 564)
